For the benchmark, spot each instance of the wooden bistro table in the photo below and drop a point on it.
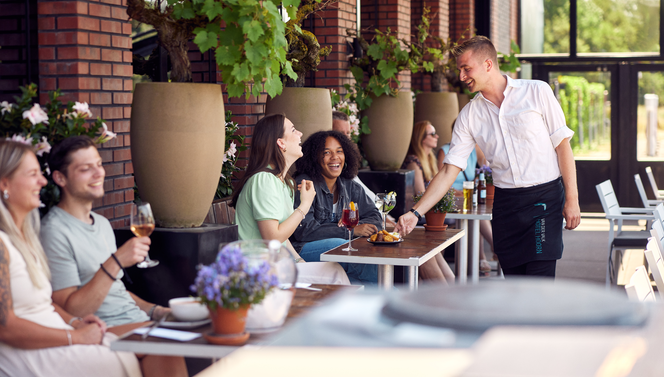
(303, 301)
(417, 247)
(480, 212)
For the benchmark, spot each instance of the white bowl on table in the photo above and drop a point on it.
(188, 309)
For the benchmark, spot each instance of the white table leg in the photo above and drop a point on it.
(475, 268)
(412, 272)
(462, 257)
(385, 276)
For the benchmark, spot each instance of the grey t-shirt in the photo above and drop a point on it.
(75, 250)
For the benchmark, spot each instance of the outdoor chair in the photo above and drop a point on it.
(642, 193)
(659, 214)
(654, 257)
(659, 194)
(639, 288)
(618, 238)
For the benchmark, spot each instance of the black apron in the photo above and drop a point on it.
(528, 223)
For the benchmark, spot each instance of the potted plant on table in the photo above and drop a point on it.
(305, 107)
(229, 286)
(436, 215)
(177, 130)
(387, 112)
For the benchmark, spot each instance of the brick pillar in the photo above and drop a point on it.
(462, 15)
(330, 27)
(85, 50)
(440, 27)
(393, 14)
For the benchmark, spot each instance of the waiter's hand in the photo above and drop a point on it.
(572, 214)
(406, 224)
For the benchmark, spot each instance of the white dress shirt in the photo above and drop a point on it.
(518, 139)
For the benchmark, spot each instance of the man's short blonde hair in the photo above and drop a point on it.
(480, 45)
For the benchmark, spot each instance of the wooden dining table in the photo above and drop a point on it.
(417, 247)
(305, 299)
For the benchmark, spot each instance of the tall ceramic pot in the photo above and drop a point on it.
(310, 109)
(439, 108)
(463, 100)
(391, 124)
(177, 149)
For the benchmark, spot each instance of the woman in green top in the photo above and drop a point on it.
(263, 199)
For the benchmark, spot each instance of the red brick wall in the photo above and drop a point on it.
(440, 27)
(462, 15)
(85, 50)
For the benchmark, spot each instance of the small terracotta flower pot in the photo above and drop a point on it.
(490, 191)
(435, 218)
(227, 321)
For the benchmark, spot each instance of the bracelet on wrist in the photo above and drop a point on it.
(414, 211)
(151, 311)
(74, 319)
(302, 213)
(122, 268)
(106, 271)
(68, 337)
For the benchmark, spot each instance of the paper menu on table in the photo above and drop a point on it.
(182, 336)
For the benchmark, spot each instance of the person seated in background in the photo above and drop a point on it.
(476, 157)
(420, 157)
(341, 123)
(38, 337)
(263, 198)
(331, 162)
(86, 266)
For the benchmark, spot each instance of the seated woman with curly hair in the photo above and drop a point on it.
(331, 162)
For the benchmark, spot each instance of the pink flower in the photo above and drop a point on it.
(5, 107)
(230, 152)
(106, 135)
(82, 109)
(36, 115)
(21, 139)
(42, 147)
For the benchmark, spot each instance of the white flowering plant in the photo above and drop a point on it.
(234, 145)
(44, 126)
(349, 108)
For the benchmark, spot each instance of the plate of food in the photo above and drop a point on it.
(385, 238)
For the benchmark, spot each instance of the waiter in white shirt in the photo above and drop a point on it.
(521, 129)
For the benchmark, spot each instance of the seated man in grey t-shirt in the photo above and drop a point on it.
(85, 264)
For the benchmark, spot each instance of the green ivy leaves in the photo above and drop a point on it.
(251, 49)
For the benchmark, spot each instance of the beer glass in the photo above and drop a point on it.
(468, 187)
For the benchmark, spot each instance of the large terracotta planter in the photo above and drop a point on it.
(441, 109)
(177, 149)
(310, 109)
(463, 100)
(391, 124)
(228, 322)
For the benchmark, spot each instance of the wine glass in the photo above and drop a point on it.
(388, 201)
(350, 218)
(142, 225)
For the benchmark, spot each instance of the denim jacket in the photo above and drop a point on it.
(321, 222)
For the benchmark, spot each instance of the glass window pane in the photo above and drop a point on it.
(650, 117)
(585, 99)
(544, 26)
(609, 26)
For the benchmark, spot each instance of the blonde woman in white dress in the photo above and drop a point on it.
(38, 338)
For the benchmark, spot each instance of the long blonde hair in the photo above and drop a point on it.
(429, 162)
(28, 244)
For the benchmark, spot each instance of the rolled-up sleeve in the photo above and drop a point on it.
(554, 118)
(462, 144)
